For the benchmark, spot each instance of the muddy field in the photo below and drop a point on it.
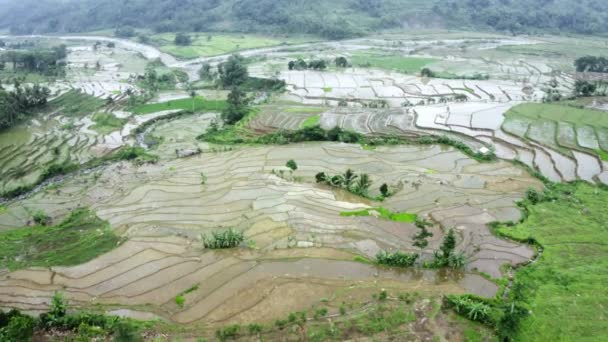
(301, 242)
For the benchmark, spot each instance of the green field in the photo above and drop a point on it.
(556, 112)
(408, 65)
(78, 239)
(520, 119)
(383, 213)
(311, 121)
(76, 103)
(198, 104)
(106, 123)
(566, 289)
(212, 44)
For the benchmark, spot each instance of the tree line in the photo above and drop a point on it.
(44, 61)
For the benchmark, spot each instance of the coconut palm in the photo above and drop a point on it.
(362, 185)
(349, 178)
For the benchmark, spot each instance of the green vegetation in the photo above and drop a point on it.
(213, 44)
(237, 108)
(520, 117)
(383, 213)
(396, 259)
(77, 326)
(357, 184)
(238, 134)
(20, 103)
(48, 62)
(446, 256)
(106, 123)
(564, 288)
(407, 65)
(291, 164)
(79, 238)
(200, 105)
(311, 121)
(226, 239)
(76, 103)
(526, 16)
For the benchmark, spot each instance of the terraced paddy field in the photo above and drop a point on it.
(308, 246)
(302, 243)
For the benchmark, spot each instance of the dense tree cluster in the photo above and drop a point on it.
(233, 73)
(592, 64)
(44, 61)
(330, 19)
(300, 64)
(337, 19)
(18, 104)
(182, 39)
(527, 16)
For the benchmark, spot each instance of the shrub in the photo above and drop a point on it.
(19, 328)
(180, 300)
(473, 309)
(534, 196)
(227, 239)
(292, 165)
(396, 259)
(319, 313)
(41, 218)
(254, 328)
(125, 331)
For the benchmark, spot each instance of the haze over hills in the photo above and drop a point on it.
(330, 19)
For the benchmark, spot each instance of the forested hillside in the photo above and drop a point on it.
(330, 19)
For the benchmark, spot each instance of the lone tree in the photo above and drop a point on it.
(341, 62)
(238, 106)
(426, 72)
(292, 165)
(205, 72)
(182, 39)
(384, 190)
(420, 239)
(233, 73)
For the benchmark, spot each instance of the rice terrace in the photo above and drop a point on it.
(353, 170)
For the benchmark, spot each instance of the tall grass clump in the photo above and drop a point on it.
(230, 238)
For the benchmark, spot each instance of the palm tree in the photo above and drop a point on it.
(193, 96)
(349, 178)
(363, 184)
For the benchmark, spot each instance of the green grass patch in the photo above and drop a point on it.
(106, 123)
(383, 213)
(566, 289)
(198, 104)
(78, 239)
(210, 44)
(407, 65)
(557, 112)
(76, 103)
(311, 121)
(541, 114)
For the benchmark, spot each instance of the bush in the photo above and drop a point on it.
(182, 39)
(180, 300)
(475, 310)
(292, 165)
(396, 259)
(254, 328)
(41, 218)
(227, 239)
(534, 196)
(18, 328)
